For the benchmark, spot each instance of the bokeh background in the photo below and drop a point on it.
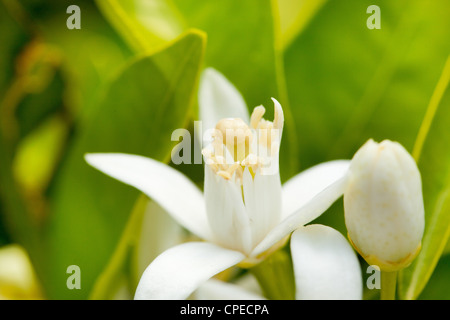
(129, 77)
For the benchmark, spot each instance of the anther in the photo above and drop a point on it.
(256, 117)
(236, 136)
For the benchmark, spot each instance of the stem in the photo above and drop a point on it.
(388, 285)
(123, 258)
(275, 276)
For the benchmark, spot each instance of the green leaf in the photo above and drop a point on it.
(89, 56)
(12, 42)
(37, 107)
(295, 16)
(141, 108)
(150, 230)
(347, 83)
(44, 146)
(369, 83)
(258, 46)
(437, 287)
(15, 214)
(447, 248)
(16, 218)
(238, 30)
(31, 88)
(46, 68)
(144, 24)
(106, 286)
(432, 153)
(244, 44)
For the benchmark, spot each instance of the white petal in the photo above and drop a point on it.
(383, 204)
(16, 274)
(278, 121)
(159, 232)
(219, 99)
(262, 195)
(325, 265)
(168, 187)
(301, 188)
(219, 290)
(177, 272)
(310, 211)
(227, 215)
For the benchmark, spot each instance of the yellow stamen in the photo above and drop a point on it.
(227, 173)
(224, 174)
(256, 117)
(236, 136)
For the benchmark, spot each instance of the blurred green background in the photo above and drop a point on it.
(129, 77)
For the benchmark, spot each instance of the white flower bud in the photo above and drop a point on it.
(383, 202)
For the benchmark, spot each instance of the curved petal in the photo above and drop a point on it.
(278, 120)
(219, 99)
(262, 196)
(168, 187)
(177, 272)
(301, 188)
(219, 290)
(325, 265)
(159, 232)
(310, 211)
(226, 212)
(17, 276)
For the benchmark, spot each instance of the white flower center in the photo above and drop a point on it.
(242, 182)
(237, 146)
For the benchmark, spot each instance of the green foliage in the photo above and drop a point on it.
(261, 77)
(129, 77)
(140, 109)
(437, 288)
(347, 83)
(144, 24)
(433, 140)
